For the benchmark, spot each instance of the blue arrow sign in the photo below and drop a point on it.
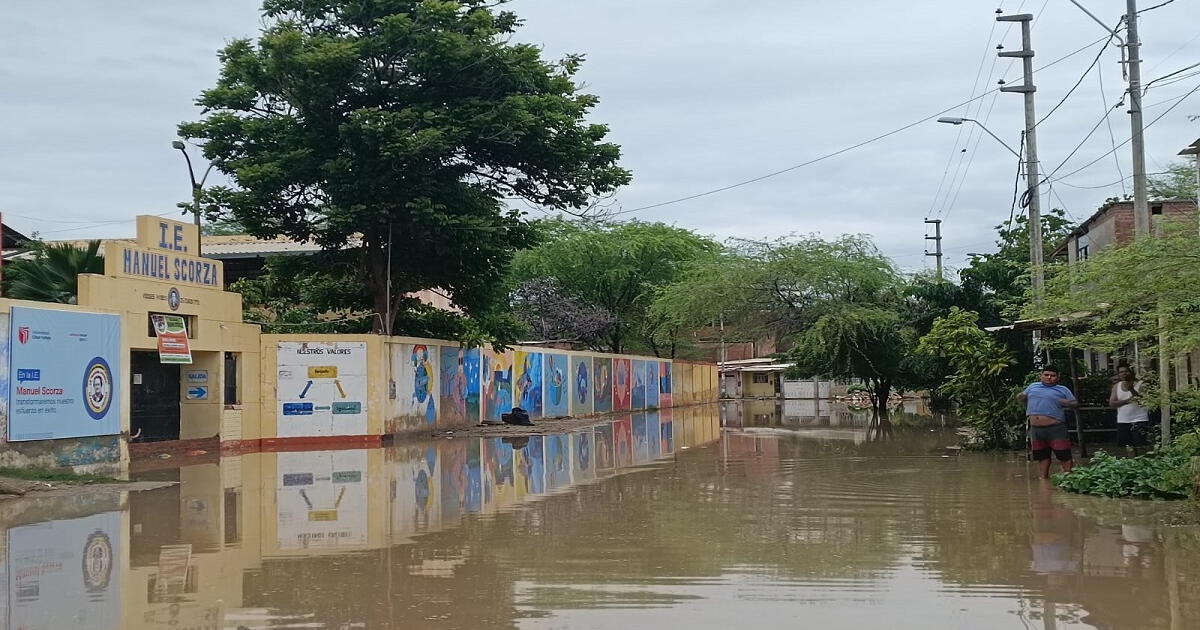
(197, 393)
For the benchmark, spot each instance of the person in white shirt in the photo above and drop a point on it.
(1132, 417)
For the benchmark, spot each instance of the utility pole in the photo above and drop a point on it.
(1141, 208)
(1032, 172)
(937, 239)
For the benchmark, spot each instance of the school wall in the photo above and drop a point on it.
(410, 385)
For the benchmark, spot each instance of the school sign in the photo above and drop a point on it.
(165, 251)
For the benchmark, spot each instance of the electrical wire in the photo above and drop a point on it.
(1112, 138)
(987, 48)
(1017, 182)
(1081, 77)
(1121, 181)
(843, 150)
(1178, 100)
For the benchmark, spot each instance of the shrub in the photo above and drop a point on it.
(1163, 474)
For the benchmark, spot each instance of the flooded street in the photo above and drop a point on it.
(805, 516)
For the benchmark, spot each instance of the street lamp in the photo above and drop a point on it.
(951, 120)
(197, 187)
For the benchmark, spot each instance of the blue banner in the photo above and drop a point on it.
(64, 376)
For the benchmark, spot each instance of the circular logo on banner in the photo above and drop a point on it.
(97, 562)
(97, 388)
(173, 299)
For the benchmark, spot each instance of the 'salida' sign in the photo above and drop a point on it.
(164, 251)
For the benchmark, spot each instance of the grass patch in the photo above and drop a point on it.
(61, 476)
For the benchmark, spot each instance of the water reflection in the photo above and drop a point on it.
(649, 520)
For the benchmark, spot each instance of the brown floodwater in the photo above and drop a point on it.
(803, 515)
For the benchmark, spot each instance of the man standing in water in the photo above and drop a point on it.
(1045, 405)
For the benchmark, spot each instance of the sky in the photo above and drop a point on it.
(700, 94)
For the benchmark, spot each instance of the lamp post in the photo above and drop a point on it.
(197, 187)
(1036, 259)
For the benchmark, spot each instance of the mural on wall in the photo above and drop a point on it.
(321, 499)
(558, 461)
(664, 384)
(638, 389)
(622, 383)
(64, 378)
(497, 384)
(581, 386)
(623, 441)
(651, 370)
(460, 372)
(322, 389)
(558, 386)
(602, 384)
(415, 374)
(528, 392)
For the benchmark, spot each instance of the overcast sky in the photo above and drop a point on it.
(701, 94)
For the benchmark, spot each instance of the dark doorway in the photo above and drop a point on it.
(154, 400)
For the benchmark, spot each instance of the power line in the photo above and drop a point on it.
(1081, 77)
(1108, 185)
(845, 149)
(1178, 100)
(1112, 138)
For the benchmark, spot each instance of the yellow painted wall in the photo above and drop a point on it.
(751, 389)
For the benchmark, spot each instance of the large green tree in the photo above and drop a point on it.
(841, 304)
(399, 129)
(1178, 182)
(617, 270)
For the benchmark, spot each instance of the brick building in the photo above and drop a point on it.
(1113, 223)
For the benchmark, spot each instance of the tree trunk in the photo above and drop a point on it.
(882, 389)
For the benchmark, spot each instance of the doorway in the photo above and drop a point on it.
(154, 398)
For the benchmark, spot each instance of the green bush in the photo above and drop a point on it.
(856, 389)
(1163, 474)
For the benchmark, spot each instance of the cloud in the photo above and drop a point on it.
(699, 93)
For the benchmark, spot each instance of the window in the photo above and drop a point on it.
(231, 378)
(761, 377)
(1082, 244)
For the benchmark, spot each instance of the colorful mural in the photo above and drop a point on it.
(622, 384)
(558, 386)
(528, 392)
(638, 389)
(651, 371)
(664, 384)
(497, 384)
(581, 386)
(459, 395)
(499, 487)
(602, 381)
(653, 435)
(414, 372)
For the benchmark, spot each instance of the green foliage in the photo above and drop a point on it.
(1162, 474)
(47, 474)
(324, 293)
(618, 270)
(1112, 298)
(51, 274)
(398, 129)
(1178, 182)
(865, 342)
(1185, 410)
(981, 385)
